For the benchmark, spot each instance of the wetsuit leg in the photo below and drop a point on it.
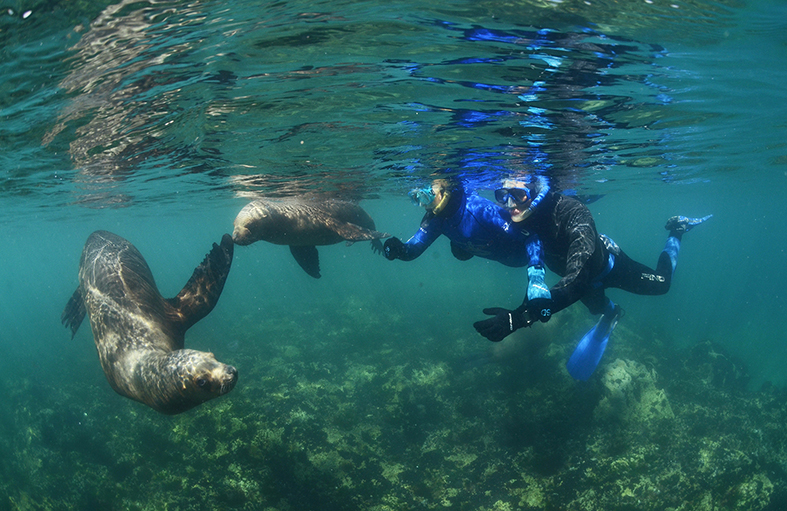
(595, 300)
(634, 277)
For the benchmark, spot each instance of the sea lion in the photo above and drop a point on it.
(303, 225)
(139, 334)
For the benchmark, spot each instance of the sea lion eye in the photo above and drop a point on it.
(201, 382)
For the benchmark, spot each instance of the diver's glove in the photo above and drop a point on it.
(539, 309)
(504, 322)
(393, 249)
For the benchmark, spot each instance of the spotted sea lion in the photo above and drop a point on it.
(303, 225)
(139, 334)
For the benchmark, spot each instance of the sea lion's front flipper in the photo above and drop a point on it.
(377, 245)
(308, 257)
(353, 232)
(202, 291)
(74, 312)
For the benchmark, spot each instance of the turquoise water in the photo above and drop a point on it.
(369, 388)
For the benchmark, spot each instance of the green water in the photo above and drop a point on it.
(369, 388)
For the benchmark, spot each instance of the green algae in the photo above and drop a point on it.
(321, 420)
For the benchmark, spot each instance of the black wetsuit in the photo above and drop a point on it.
(574, 250)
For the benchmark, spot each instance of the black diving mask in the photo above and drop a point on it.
(518, 195)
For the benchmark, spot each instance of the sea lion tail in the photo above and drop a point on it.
(74, 312)
(201, 293)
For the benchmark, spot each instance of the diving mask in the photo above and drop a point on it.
(422, 196)
(516, 195)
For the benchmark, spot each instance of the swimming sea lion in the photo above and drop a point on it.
(139, 334)
(304, 224)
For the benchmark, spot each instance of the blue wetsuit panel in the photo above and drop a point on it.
(480, 228)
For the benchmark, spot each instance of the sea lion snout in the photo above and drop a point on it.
(241, 235)
(247, 223)
(229, 379)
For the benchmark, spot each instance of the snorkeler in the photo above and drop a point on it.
(587, 262)
(476, 227)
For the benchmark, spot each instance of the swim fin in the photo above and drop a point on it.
(683, 224)
(588, 352)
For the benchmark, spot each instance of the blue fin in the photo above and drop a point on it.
(588, 352)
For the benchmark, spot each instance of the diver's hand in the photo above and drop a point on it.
(393, 249)
(539, 309)
(504, 323)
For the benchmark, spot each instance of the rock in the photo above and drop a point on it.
(631, 395)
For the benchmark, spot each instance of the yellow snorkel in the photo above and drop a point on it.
(443, 186)
(443, 202)
(435, 198)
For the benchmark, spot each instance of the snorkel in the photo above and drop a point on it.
(443, 202)
(426, 196)
(542, 185)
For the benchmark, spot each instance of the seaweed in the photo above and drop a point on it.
(325, 419)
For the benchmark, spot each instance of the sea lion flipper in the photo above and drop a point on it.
(202, 291)
(353, 232)
(377, 245)
(74, 312)
(308, 257)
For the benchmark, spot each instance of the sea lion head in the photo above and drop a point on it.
(189, 378)
(251, 222)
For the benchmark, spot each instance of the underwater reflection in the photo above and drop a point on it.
(124, 81)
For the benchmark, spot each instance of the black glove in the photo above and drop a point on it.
(393, 249)
(504, 322)
(539, 309)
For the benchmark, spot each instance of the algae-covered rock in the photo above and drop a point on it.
(715, 367)
(754, 493)
(631, 394)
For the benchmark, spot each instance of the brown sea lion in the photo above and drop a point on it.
(139, 334)
(303, 225)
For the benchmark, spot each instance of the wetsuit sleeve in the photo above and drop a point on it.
(538, 299)
(429, 231)
(535, 251)
(536, 286)
(576, 223)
